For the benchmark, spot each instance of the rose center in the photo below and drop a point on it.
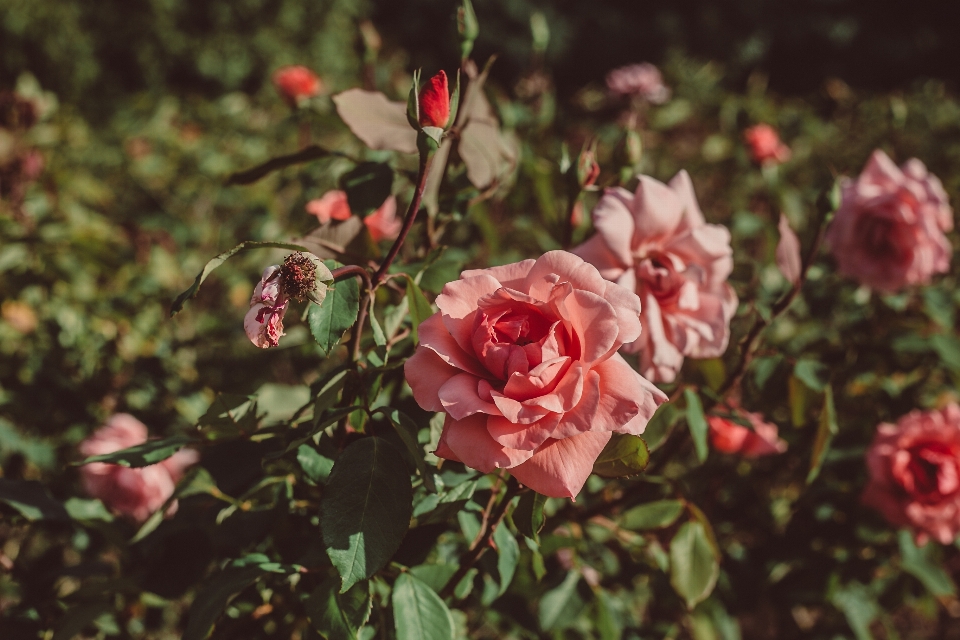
(880, 238)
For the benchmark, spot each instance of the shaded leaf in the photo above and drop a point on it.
(367, 185)
(420, 308)
(329, 321)
(508, 555)
(917, 562)
(652, 515)
(528, 515)
(555, 602)
(315, 466)
(694, 568)
(339, 616)
(31, 499)
(339, 239)
(379, 122)
(859, 606)
(826, 429)
(418, 612)
(697, 423)
(145, 454)
(407, 429)
(624, 455)
(812, 373)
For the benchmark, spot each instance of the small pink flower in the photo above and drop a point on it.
(765, 145)
(132, 493)
(643, 80)
(332, 205)
(523, 360)
(889, 230)
(729, 437)
(264, 321)
(435, 102)
(656, 242)
(295, 83)
(915, 473)
(383, 223)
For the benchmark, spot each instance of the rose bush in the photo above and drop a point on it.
(889, 230)
(133, 493)
(523, 360)
(915, 473)
(656, 242)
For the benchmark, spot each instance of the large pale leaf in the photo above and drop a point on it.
(418, 612)
(381, 123)
(365, 510)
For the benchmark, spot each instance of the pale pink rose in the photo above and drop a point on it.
(264, 321)
(331, 206)
(889, 230)
(383, 223)
(132, 493)
(915, 473)
(765, 145)
(523, 359)
(643, 80)
(655, 242)
(729, 437)
(295, 83)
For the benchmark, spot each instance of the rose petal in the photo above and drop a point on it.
(426, 373)
(470, 441)
(560, 467)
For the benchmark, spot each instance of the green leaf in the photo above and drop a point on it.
(217, 593)
(508, 555)
(229, 416)
(32, 500)
(694, 568)
(143, 455)
(918, 563)
(329, 393)
(624, 455)
(418, 612)
(812, 373)
(419, 307)
(407, 429)
(826, 430)
(339, 616)
(367, 186)
(948, 349)
(379, 337)
(365, 510)
(859, 606)
(528, 515)
(329, 321)
(555, 602)
(652, 515)
(87, 510)
(315, 466)
(697, 423)
(177, 305)
(660, 424)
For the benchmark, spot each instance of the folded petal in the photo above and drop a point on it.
(470, 441)
(426, 373)
(560, 467)
(460, 397)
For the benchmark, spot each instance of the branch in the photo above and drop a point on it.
(313, 152)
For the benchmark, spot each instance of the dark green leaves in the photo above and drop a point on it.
(826, 429)
(624, 455)
(367, 186)
(177, 305)
(694, 565)
(365, 511)
(329, 321)
(144, 454)
(508, 554)
(339, 616)
(31, 499)
(418, 612)
(697, 423)
(528, 516)
(407, 430)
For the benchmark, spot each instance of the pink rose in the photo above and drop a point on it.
(643, 80)
(888, 231)
(523, 360)
(765, 145)
(296, 82)
(729, 437)
(915, 473)
(264, 321)
(382, 224)
(655, 242)
(332, 206)
(132, 493)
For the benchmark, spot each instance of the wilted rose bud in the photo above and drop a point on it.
(435, 102)
(304, 276)
(296, 83)
(588, 170)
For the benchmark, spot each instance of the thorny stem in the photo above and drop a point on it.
(483, 541)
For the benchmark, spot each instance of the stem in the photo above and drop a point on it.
(412, 210)
(366, 294)
(483, 540)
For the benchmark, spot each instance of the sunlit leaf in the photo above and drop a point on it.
(624, 455)
(694, 568)
(418, 612)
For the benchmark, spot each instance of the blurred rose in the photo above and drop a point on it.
(264, 321)
(132, 493)
(523, 359)
(382, 224)
(295, 83)
(643, 80)
(915, 473)
(729, 437)
(655, 242)
(19, 315)
(331, 206)
(765, 145)
(889, 230)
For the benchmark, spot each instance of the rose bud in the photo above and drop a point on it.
(765, 145)
(435, 102)
(296, 83)
(729, 437)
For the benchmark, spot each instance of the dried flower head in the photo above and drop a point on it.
(298, 276)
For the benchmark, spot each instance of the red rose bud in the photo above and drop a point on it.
(588, 170)
(295, 83)
(435, 102)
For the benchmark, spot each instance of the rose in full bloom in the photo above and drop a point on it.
(132, 493)
(729, 437)
(643, 80)
(523, 360)
(914, 470)
(889, 230)
(435, 102)
(264, 321)
(656, 242)
(295, 83)
(765, 145)
(382, 224)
